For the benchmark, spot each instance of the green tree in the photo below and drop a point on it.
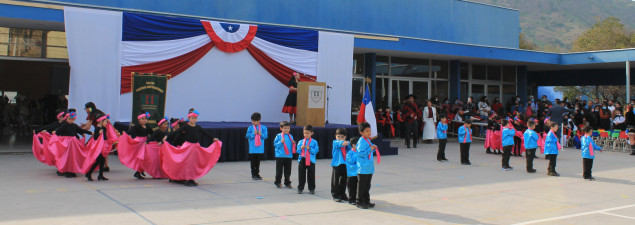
(574, 91)
(523, 43)
(605, 34)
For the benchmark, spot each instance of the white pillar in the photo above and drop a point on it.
(628, 81)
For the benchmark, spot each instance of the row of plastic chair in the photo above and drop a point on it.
(611, 140)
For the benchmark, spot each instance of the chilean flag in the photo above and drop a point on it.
(367, 113)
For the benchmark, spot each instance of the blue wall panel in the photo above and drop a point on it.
(445, 20)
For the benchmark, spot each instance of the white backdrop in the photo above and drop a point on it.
(221, 86)
(93, 38)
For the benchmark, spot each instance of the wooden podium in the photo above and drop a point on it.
(311, 101)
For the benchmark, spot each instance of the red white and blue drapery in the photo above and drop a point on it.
(167, 45)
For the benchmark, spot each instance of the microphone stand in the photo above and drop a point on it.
(328, 93)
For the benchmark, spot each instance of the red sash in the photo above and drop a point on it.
(344, 153)
(468, 132)
(376, 151)
(591, 147)
(305, 153)
(258, 141)
(286, 149)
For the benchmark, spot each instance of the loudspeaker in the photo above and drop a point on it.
(59, 79)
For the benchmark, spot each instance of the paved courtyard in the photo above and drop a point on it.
(411, 188)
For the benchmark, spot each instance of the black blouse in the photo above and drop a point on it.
(157, 136)
(96, 133)
(139, 131)
(191, 133)
(49, 128)
(293, 83)
(70, 130)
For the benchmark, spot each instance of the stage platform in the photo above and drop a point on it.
(235, 146)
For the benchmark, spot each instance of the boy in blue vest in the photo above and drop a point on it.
(465, 138)
(531, 143)
(365, 166)
(256, 135)
(551, 149)
(588, 152)
(442, 135)
(351, 171)
(507, 136)
(307, 149)
(339, 175)
(284, 147)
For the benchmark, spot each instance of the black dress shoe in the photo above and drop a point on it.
(337, 200)
(188, 184)
(278, 185)
(89, 177)
(531, 171)
(59, 173)
(138, 176)
(299, 192)
(312, 192)
(372, 205)
(288, 186)
(102, 178)
(363, 206)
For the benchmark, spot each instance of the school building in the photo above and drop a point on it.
(450, 48)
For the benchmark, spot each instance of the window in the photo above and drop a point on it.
(410, 67)
(464, 91)
(439, 69)
(465, 71)
(478, 72)
(358, 93)
(381, 66)
(440, 88)
(509, 74)
(509, 91)
(56, 45)
(25, 42)
(4, 41)
(381, 94)
(493, 91)
(494, 73)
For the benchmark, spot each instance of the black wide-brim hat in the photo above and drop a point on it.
(410, 95)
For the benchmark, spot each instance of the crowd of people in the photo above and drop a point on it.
(22, 114)
(413, 121)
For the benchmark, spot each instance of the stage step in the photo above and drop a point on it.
(384, 146)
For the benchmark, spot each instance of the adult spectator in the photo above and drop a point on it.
(556, 114)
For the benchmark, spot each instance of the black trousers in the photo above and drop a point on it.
(507, 150)
(338, 182)
(517, 143)
(531, 153)
(441, 153)
(99, 162)
(587, 165)
(552, 163)
(283, 165)
(255, 164)
(303, 172)
(412, 130)
(465, 152)
(363, 188)
(352, 189)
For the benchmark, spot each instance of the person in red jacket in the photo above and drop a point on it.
(411, 114)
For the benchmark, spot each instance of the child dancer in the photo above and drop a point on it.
(160, 132)
(190, 132)
(256, 135)
(307, 148)
(176, 139)
(588, 153)
(351, 172)
(339, 175)
(100, 132)
(140, 130)
(442, 135)
(551, 149)
(284, 147)
(508, 143)
(365, 166)
(70, 129)
(531, 143)
(465, 138)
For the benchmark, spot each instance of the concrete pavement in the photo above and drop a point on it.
(411, 188)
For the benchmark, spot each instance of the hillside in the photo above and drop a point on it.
(554, 25)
